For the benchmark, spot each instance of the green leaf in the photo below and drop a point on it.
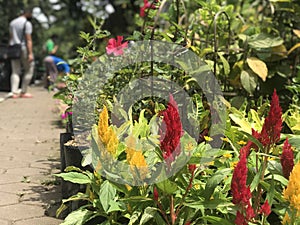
(107, 194)
(211, 204)
(115, 206)
(74, 177)
(248, 81)
(225, 63)
(148, 214)
(216, 220)
(167, 186)
(213, 182)
(264, 41)
(78, 196)
(239, 119)
(256, 179)
(135, 216)
(78, 217)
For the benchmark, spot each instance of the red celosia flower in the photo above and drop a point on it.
(171, 131)
(241, 193)
(146, 5)
(192, 168)
(240, 219)
(270, 133)
(287, 159)
(188, 223)
(116, 46)
(265, 209)
(246, 149)
(155, 194)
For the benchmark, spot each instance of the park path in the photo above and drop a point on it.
(29, 155)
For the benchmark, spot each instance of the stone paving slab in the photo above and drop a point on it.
(29, 156)
(37, 221)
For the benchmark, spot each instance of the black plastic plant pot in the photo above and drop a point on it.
(64, 138)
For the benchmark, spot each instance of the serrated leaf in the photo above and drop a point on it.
(74, 177)
(258, 67)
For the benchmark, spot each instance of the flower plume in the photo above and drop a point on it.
(171, 131)
(270, 133)
(287, 159)
(241, 194)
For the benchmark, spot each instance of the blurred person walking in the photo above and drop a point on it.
(20, 30)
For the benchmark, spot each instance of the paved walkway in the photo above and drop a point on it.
(29, 154)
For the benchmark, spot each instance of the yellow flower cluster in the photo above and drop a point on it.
(137, 162)
(106, 133)
(292, 191)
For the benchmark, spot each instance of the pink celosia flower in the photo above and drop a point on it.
(270, 133)
(171, 131)
(287, 159)
(265, 209)
(241, 193)
(116, 46)
(146, 5)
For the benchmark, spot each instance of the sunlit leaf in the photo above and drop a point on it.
(258, 67)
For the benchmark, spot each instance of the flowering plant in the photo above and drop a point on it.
(247, 179)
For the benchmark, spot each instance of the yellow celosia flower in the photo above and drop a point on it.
(106, 134)
(113, 141)
(292, 191)
(137, 161)
(286, 219)
(103, 125)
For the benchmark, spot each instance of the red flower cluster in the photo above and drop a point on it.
(265, 209)
(116, 46)
(287, 159)
(270, 133)
(241, 193)
(192, 168)
(146, 5)
(171, 131)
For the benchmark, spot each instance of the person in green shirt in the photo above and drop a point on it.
(51, 46)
